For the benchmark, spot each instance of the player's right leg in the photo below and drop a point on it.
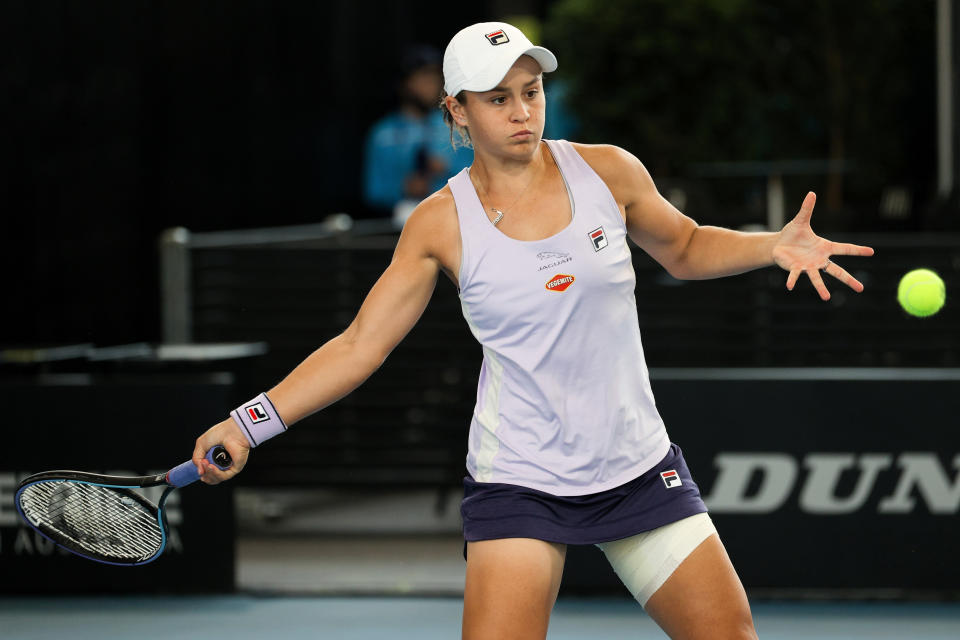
(511, 587)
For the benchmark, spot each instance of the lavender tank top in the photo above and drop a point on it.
(564, 403)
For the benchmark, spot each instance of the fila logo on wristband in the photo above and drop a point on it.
(671, 479)
(258, 420)
(256, 413)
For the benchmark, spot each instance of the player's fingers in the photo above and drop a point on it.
(806, 209)
(814, 275)
(847, 249)
(225, 433)
(204, 443)
(213, 475)
(198, 454)
(841, 274)
(209, 474)
(238, 454)
(237, 445)
(792, 278)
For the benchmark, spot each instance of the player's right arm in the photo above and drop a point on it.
(390, 310)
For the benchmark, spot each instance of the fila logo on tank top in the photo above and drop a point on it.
(564, 402)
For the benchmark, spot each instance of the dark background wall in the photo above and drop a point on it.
(122, 118)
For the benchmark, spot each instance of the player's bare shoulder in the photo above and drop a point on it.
(623, 173)
(605, 157)
(434, 231)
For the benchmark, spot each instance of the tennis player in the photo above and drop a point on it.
(566, 445)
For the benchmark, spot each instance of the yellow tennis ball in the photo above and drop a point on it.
(921, 293)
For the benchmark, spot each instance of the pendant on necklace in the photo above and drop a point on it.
(499, 215)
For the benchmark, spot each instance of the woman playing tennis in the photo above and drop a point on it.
(566, 445)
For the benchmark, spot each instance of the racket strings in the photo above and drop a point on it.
(93, 519)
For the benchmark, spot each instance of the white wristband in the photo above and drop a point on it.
(258, 420)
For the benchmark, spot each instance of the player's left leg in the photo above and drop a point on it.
(703, 598)
(682, 576)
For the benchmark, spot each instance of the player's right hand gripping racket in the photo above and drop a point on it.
(101, 517)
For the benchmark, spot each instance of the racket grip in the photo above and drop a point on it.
(186, 473)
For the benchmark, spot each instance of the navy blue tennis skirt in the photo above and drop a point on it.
(664, 494)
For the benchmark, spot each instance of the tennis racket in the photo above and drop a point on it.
(101, 517)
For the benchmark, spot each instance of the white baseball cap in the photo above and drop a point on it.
(479, 56)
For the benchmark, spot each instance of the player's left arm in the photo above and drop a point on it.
(690, 251)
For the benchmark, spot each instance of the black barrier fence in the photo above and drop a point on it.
(132, 424)
(837, 475)
(840, 472)
(407, 424)
(820, 481)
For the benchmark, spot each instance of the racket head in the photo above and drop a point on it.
(95, 516)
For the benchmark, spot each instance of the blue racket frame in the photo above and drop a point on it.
(180, 476)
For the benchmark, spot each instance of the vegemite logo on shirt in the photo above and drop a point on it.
(497, 37)
(598, 238)
(560, 282)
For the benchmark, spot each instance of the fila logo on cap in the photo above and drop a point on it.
(256, 413)
(671, 479)
(497, 37)
(599, 238)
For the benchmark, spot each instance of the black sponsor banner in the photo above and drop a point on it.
(130, 425)
(819, 479)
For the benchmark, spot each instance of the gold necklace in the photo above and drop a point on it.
(499, 212)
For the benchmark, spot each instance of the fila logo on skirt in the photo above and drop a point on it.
(671, 479)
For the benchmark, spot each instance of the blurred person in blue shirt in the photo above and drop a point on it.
(408, 154)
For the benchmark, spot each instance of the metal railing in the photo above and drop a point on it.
(294, 288)
(177, 243)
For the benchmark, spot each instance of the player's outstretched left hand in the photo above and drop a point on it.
(800, 250)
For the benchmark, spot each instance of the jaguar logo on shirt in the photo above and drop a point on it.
(552, 255)
(556, 258)
(560, 282)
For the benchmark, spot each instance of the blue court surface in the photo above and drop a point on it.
(378, 618)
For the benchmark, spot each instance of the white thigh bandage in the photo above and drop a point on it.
(646, 560)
